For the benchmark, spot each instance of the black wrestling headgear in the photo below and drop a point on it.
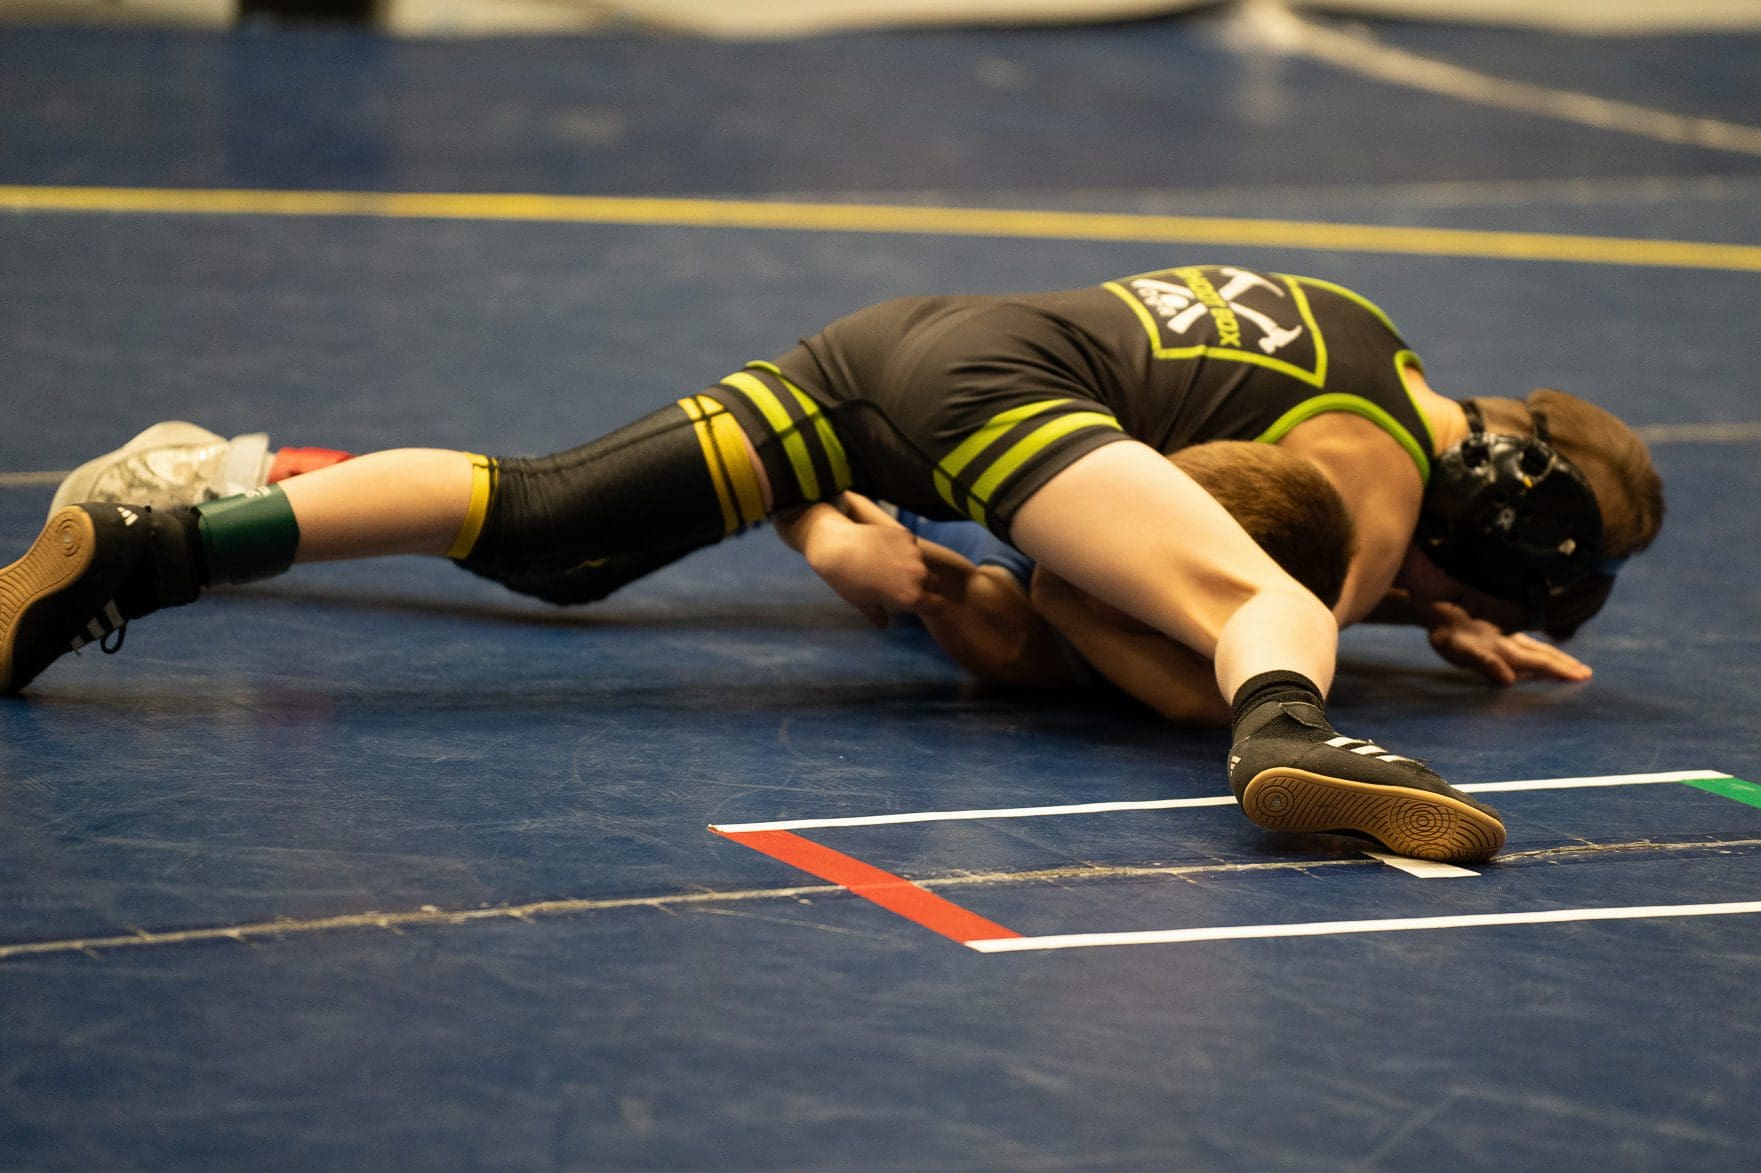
(1510, 516)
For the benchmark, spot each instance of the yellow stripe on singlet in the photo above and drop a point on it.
(723, 494)
(1027, 448)
(736, 458)
(482, 475)
(777, 416)
(955, 462)
(710, 421)
(828, 439)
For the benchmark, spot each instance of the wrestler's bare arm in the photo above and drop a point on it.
(1166, 676)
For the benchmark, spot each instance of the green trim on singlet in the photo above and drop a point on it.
(1314, 378)
(1356, 405)
(1145, 318)
(1403, 360)
(777, 416)
(1025, 449)
(828, 439)
(1348, 294)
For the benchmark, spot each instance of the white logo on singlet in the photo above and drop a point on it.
(1182, 307)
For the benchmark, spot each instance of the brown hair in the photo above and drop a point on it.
(1284, 504)
(1618, 466)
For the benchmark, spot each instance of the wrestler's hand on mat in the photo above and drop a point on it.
(872, 562)
(1503, 658)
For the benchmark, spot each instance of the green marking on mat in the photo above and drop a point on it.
(1741, 791)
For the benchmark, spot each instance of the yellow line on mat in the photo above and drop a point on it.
(894, 219)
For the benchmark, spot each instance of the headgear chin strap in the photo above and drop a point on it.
(1510, 516)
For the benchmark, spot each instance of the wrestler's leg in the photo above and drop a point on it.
(683, 475)
(178, 463)
(1164, 551)
(402, 501)
(587, 582)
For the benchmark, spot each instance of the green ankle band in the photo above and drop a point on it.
(249, 537)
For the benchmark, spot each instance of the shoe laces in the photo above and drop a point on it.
(101, 628)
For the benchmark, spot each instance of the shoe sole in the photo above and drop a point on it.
(61, 553)
(1410, 822)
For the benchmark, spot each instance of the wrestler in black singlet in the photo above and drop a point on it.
(964, 406)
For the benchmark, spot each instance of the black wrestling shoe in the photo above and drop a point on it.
(91, 570)
(1292, 771)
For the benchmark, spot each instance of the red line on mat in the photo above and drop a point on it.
(893, 893)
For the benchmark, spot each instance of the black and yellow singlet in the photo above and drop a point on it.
(964, 406)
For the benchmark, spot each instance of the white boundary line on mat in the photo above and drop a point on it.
(1273, 27)
(1343, 927)
(1097, 808)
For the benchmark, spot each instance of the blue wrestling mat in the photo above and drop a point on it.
(379, 866)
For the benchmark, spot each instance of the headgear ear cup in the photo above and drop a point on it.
(1510, 516)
